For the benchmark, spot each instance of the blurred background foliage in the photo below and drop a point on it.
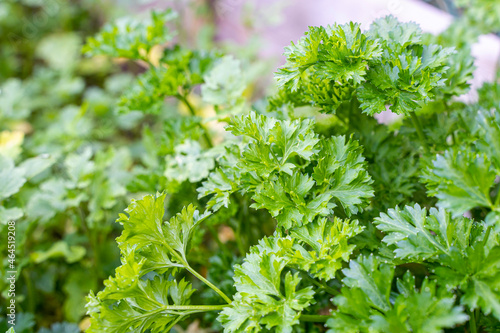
(80, 137)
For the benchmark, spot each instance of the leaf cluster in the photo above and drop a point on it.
(387, 65)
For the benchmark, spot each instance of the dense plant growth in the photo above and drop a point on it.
(295, 212)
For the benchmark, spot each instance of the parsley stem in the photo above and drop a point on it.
(184, 100)
(195, 307)
(322, 285)
(183, 261)
(420, 132)
(454, 137)
(93, 243)
(497, 199)
(314, 318)
(30, 289)
(208, 283)
(487, 235)
(239, 239)
(472, 322)
(205, 308)
(172, 324)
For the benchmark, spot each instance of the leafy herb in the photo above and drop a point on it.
(313, 215)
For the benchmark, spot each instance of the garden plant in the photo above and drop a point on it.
(296, 208)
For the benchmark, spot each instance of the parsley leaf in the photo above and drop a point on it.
(145, 227)
(274, 168)
(367, 305)
(132, 39)
(323, 246)
(189, 162)
(387, 65)
(11, 178)
(327, 58)
(461, 253)
(489, 133)
(262, 298)
(461, 180)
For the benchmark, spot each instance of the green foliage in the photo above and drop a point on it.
(387, 65)
(323, 246)
(180, 70)
(132, 38)
(299, 227)
(463, 180)
(489, 135)
(307, 175)
(12, 179)
(260, 301)
(275, 167)
(367, 304)
(461, 253)
(482, 16)
(144, 226)
(224, 86)
(189, 162)
(324, 61)
(148, 244)
(318, 248)
(79, 138)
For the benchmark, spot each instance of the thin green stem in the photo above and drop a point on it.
(246, 224)
(237, 227)
(208, 283)
(353, 106)
(172, 324)
(195, 273)
(95, 249)
(420, 132)
(472, 322)
(242, 230)
(239, 241)
(487, 235)
(477, 315)
(30, 291)
(195, 307)
(453, 135)
(191, 109)
(322, 285)
(497, 199)
(94, 246)
(314, 318)
(188, 310)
